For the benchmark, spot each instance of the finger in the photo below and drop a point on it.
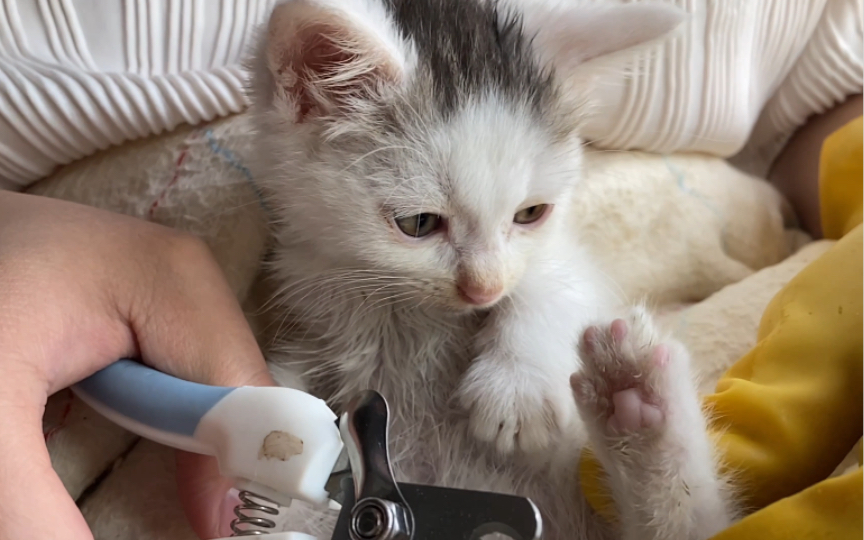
(193, 328)
(205, 495)
(35, 504)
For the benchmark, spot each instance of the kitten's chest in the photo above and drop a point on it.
(417, 367)
(415, 361)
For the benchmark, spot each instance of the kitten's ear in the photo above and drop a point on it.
(568, 35)
(323, 59)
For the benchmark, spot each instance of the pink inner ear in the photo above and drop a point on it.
(320, 69)
(319, 63)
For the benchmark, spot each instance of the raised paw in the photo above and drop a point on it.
(644, 419)
(523, 411)
(628, 378)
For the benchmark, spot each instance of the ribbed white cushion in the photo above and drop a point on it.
(737, 60)
(81, 75)
(828, 70)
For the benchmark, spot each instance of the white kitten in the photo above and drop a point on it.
(421, 162)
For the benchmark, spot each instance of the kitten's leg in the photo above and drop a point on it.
(516, 390)
(644, 418)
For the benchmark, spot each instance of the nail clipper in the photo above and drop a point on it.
(280, 444)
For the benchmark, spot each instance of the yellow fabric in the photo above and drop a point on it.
(840, 199)
(828, 510)
(792, 405)
(791, 409)
(591, 477)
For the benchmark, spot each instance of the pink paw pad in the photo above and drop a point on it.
(619, 330)
(631, 410)
(589, 338)
(632, 413)
(660, 356)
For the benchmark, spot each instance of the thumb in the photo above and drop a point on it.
(192, 327)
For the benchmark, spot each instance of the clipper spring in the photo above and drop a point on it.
(247, 524)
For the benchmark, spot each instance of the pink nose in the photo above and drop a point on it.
(479, 296)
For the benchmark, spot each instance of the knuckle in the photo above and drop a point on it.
(193, 267)
(185, 249)
(170, 264)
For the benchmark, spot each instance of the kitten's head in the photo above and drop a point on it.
(425, 142)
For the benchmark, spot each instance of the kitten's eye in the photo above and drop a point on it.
(530, 214)
(419, 225)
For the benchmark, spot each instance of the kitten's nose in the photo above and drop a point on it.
(479, 296)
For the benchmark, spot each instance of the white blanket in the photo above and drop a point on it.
(703, 242)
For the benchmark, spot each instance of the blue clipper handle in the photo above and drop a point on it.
(281, 443)
(150, 403)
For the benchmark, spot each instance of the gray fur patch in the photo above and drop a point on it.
(472, 47)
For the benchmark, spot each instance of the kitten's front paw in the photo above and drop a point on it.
(512, 407)
(629, 379)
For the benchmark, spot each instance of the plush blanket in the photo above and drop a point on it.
(705, 244)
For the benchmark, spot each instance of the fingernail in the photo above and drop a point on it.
(226, 513)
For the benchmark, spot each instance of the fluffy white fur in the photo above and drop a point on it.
(480, 397)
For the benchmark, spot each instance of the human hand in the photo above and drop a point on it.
(79, 289)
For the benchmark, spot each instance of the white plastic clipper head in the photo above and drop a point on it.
(278, 444)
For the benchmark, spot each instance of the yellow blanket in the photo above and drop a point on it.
(790, 409)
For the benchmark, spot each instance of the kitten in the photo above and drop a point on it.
(420, 161)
